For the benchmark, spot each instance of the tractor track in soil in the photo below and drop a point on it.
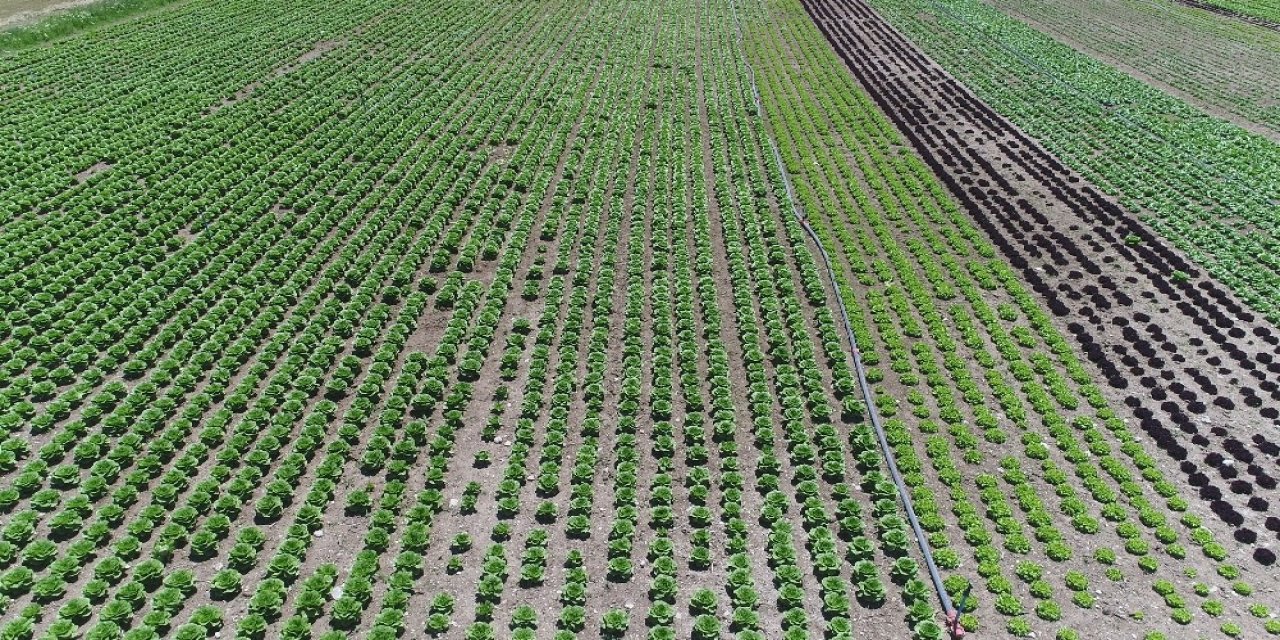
(1192, 365)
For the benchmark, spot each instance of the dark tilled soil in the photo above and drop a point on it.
(1194, 368)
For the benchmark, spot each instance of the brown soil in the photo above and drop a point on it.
(97, 168)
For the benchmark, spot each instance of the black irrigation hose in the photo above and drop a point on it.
(859, 369)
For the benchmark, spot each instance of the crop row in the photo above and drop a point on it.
(253, 326)
(1061, 234)
(268, 505)
(1262, 13)
(974, 367)
(1212, 203)
(1199, 54)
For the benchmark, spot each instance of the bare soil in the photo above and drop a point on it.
(92, 171)
(15, 13)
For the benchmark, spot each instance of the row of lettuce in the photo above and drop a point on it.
(1003, 438)
(244, 353)
(1209, 187)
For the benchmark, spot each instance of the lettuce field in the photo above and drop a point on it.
(578, 319)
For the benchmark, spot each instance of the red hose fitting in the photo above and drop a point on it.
(953, 625)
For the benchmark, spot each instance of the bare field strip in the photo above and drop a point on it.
(19, 12)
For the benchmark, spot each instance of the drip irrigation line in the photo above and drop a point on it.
(890, 460)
